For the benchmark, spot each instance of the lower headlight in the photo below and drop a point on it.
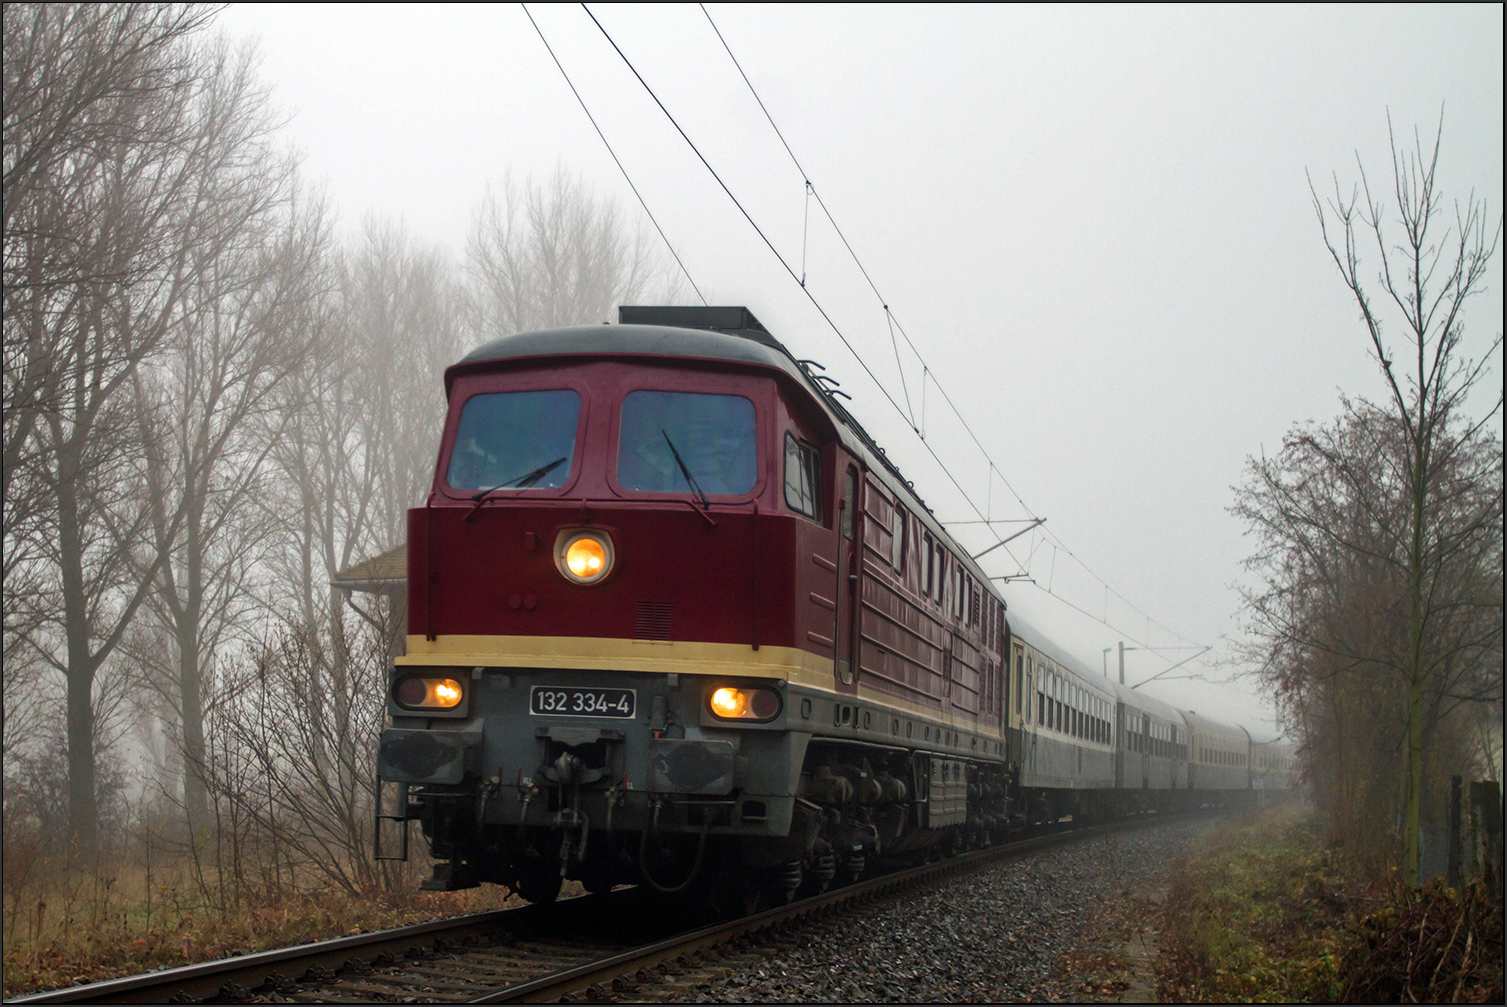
(425, 693)
(730, 703)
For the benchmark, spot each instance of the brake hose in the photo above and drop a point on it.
(643, 850)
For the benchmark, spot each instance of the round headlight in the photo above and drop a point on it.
(729, 703)
(584, 557)
(423, 693)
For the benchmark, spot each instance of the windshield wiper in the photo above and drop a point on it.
(685, 471)
(522, 482)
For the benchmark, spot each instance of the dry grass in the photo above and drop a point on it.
(88, 928)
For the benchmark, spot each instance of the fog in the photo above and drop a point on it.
(1095, 224)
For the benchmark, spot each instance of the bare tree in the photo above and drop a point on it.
(1329, 617)
(1426, 276)
(210, 415)
(357, 451)
(541, 256)
(156, 209)
(84, 84)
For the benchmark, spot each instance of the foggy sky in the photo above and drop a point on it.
(1094, 223)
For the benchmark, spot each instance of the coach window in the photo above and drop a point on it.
(515, 440)
(803, 488)
(687, 442)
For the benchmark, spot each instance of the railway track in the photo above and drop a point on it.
(572, 951)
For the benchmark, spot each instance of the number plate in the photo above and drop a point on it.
(550, 701)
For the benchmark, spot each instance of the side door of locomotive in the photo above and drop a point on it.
(849, 572)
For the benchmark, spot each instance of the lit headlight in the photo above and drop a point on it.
(728, 703)
(422, 693)
(584, 557)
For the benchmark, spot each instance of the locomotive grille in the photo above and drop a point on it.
(651, 621)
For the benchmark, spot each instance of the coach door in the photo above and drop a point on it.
(849, 558)
(1144, 744)
(1122, 742)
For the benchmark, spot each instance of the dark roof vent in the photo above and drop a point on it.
(736, 321)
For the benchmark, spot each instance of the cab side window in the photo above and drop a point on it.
(803, 488)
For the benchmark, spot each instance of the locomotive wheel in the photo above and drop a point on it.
(597, 883)
(781, 885)
(538, 883)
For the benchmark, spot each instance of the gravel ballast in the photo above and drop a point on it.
(1000, 933)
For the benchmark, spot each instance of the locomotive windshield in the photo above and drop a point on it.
(515, 440)
(713, 435)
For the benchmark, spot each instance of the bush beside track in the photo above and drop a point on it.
(1266, 912)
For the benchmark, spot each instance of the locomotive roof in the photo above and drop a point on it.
(634, 340)
(730, 334)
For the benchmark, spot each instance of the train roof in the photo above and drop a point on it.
(1197, 722)
(1123, 693)
(630, 340)
(723, 333)
(1039, 640)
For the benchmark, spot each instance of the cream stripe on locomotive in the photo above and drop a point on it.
(591, 653)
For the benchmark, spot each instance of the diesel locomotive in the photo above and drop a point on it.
(676, 620)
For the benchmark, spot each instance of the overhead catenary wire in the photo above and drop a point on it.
(847, 343)
(894, 323)
(746, 215)
(615, 160)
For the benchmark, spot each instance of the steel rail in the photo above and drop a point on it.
(600, 974)
(323, 962)
(205, 979)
